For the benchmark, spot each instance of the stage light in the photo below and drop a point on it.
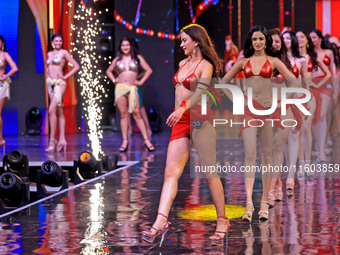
(16, 162)
(51, 175)
(109, 162)
(87, 167)
(14, 192)
(33, 121)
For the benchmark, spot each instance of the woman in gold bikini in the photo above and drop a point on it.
(56, 81)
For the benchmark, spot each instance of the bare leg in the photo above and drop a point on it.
(323, 127)
(61, 119)
(122, 104)
(140, 123)
(52, 115)
(146, 121)
(266, 141)
(177, 156)
(249, 140)
(205, 142)
(307, 131)
(2, 102)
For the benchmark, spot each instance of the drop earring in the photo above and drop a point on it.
(195, 50)
(53, 46)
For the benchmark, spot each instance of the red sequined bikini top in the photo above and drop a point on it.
(296, 71)
(326, 60)
(190, 82)
(266, 70)
(310, 66)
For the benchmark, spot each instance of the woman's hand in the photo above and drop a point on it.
(138, 83)
(3, 77)
(175, 117)
(61, 77)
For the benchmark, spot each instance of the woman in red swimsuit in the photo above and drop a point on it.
(281, 135)
(306, 49)
(326, 92)
(202, 64)
(259, 66)
(295, 145)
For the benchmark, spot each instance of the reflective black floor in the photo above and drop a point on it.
(107, 215)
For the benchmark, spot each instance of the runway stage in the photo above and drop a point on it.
(107, 214)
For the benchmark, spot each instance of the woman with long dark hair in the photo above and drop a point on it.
(328, 92)
(259, 65)
(306, 50)
(56, 81)
(126, 65)
(5, 81)
(281, 134)
(194, 75)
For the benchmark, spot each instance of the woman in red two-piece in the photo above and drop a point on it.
(258, 66)
(306, 49)
(327, 92)
(281, 135)
(201, 65)
(299, 69)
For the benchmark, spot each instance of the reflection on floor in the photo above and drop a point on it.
(107, 216)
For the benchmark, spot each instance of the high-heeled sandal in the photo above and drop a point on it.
(150, 238)
(278, 193)
(150, 148)
(271, 198)
(263, 215)
(51, 146)
(218, 239)
(247, 216)
(123, 149)
(61, 146)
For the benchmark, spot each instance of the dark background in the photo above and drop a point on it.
(163, 55)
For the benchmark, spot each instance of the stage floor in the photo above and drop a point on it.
(107, 215)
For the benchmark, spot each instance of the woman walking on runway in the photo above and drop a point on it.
(259, 65)
(126, 65)
(328, 92)
(306, 49)
(5, 59)
(194, 74)
(56, 81)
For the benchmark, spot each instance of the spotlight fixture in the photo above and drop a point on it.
(51, 175)
(33, 121)
(109, 162)
(17, 163)
(14, 192)
(87, 167)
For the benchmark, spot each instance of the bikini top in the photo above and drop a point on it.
(133, 66)
(55, 61)
(266, 70)
(326, 60)
(296, 71)
(310, 66)
(280, 79)
(190, 80)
